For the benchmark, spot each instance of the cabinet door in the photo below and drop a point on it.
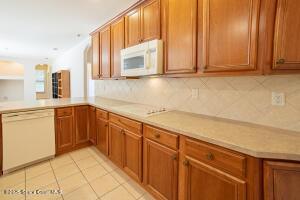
(102, 135)
(92, 125)
(287, 40)
(281, 181)
(117, 43)
(179, 33)
(81, 124)
(133, 155)
(105, 52)
(150, 20)
(116, 144)
(201, 181)
(228, 35)
(64, 133)
(96, 54)
(132, 28)
(160, 170)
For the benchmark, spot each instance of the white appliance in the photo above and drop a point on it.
(28, 137)
(142, 59)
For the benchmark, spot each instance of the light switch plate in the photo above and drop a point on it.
(195, 93)
(278, 99)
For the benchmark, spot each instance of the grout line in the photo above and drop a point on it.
(56, 179)
(25, 184)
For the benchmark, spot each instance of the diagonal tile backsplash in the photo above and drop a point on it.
(240, 98)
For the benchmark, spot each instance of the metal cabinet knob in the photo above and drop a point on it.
(157, 135)
(280, 61)
(174, 157)
(210, 156)
(185, 162)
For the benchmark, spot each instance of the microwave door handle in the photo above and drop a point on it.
(148, 59)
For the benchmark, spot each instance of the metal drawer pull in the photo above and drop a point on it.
(157, 135)
(186, 163)
(210, 156)
(280, 61)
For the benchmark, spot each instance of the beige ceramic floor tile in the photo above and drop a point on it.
(14, 178)
(80, 154)
(66, 170)
(94, 172)
(147, 197)
(40, 181)
(109, 166)
(135, 189)
(50, 192)
(104, 184)
(120, 176)
(86, 163)
(37, 169)
(71, 183)
(13, 192)
(83, 193)
(61, 161)
(119, 193)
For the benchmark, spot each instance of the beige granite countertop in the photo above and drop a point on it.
(253, 140)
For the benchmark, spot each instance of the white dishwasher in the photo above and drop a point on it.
(28, 137)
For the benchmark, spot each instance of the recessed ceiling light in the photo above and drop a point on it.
(55, 49)
(78, 35)
(6, 48)
(46, 58)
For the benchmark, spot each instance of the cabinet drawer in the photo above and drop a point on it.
(128, 124)
(160, 136)
(218, 157)
(101, 114)
(64, 111)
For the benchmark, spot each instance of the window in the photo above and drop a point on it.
(40, 82)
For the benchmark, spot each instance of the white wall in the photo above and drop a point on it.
(29, 74)
(11, 90)
(73, 60)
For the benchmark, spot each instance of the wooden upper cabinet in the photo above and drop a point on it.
(179, 33)
(117, 43)
(228, 35)
(201, 181)
(132, 28)
(287, 40)
(105, 52)
(150, 20)
(81, 124)
(96, 55)
(281, 181)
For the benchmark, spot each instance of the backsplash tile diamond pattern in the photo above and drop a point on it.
(240, 98)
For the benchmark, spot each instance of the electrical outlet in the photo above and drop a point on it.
(278, 99)
(195, 93)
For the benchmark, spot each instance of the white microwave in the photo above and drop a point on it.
(142, 59)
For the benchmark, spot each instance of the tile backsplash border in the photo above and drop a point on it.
(242, 98)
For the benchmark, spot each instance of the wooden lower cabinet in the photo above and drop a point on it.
(116, 144)
(64, 128)
(160, 170)
(81, 121)
(133, 154)
(201, 181)
(281, 180)
(92, 125)
(102, 135)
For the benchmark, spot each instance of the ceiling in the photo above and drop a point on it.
(33, 28)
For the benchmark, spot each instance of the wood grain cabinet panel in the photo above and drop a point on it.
(281, 180)
(64, 129)
(132, 28)
(117, 44)
(160, 170)
(287, 40)
(96, 56)
(150, 20)
(228, 35)
(81, 125)
(92, 125)
(116, 144)
(201, 181)
(105, 52)
(102, 135)
(179, 30)
(133, 154)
